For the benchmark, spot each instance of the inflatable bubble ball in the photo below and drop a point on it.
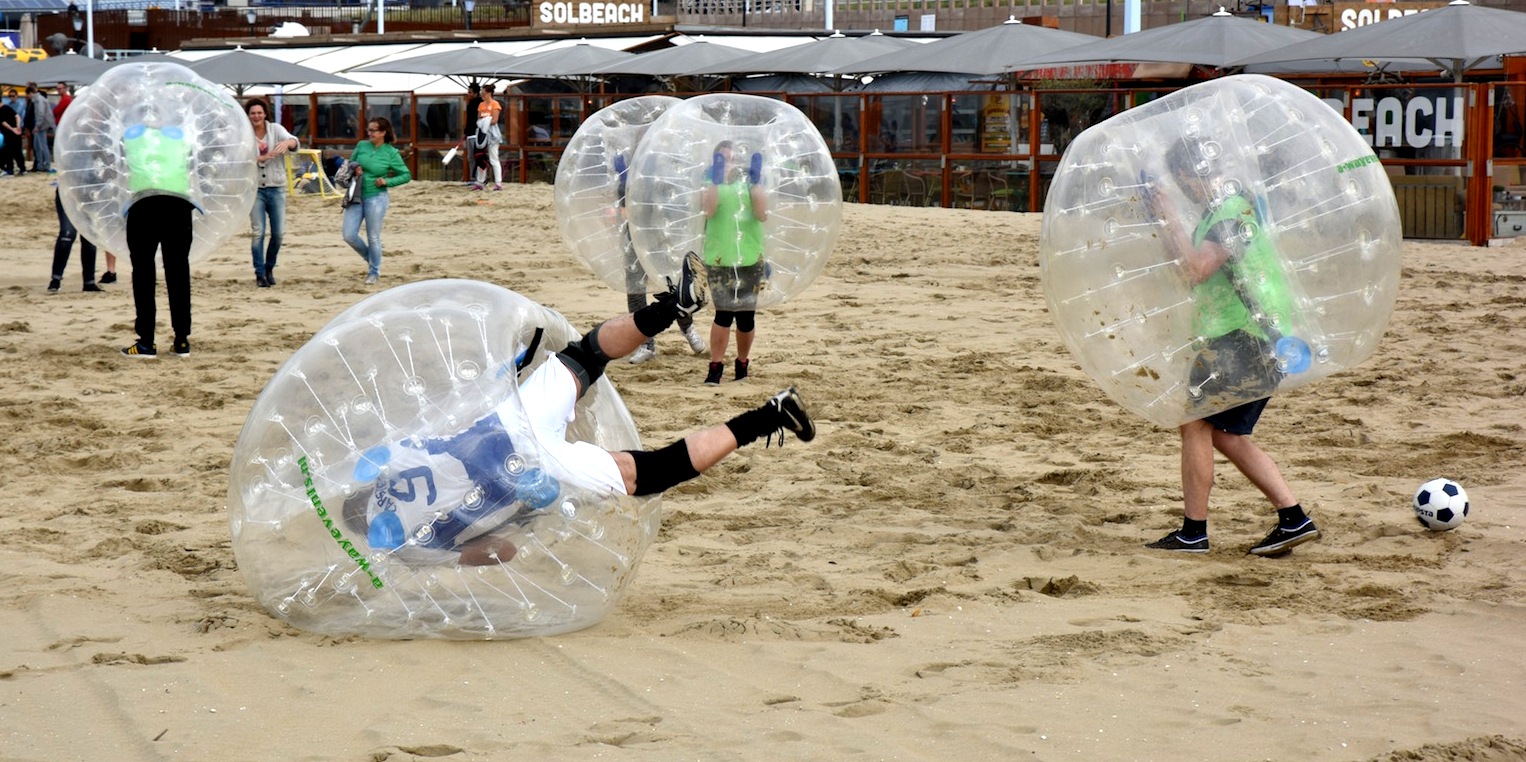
(591, 183)
(389, 481)
(1231, 240)
(147, 128)
(747, 183)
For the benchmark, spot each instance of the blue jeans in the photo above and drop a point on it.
(268, 203)
(373, 210)
(42, 156)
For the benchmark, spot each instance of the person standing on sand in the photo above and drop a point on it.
(1232, 285)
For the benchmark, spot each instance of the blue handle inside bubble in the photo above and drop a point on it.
(1293, 355)
(386, 531)
(370, 464)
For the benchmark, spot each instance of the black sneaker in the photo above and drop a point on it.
(1175, 542)
(270, 277)
(141, 351)
(689, 292)
(1283, 540)
(91, 287)
(792, 415)
(742, 366)
(109, 277)
(713, 378)
(260, 281)
(53, 286)
(182, 347)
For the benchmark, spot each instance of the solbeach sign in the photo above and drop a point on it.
(1419, 121)
(567, 14)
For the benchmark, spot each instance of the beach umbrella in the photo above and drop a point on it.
(152, 57)
(1456, 38)
(69, 68)
(580, 60)
(988, 51)
(240, 68)
(1220, 41)
(676, 61)
(823, 56)
(446, 63)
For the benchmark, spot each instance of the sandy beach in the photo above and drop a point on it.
(953, 570)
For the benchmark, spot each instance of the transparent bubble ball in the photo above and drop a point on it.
(1282, 185)
(591, 181)
(155, 127)
(394, 439)
(751, 263)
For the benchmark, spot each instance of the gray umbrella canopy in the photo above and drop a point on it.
(988, 51)
(677, 61)
(448, 63)
(1220, 40)
(1456, 38)
(580, 60)
(148, 58)
(828, 54)
(69, 68)
(240, 67)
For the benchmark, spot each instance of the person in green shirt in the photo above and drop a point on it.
(381, 168)
(735, 209)
(1243, 303)
(160, 223)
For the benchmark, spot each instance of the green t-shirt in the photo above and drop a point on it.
(1252, 276)
(733, 237)
(158, 162)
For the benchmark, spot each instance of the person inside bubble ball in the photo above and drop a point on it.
(443, 499)
(159, 220)
(735, 209)
(1242, 298)
(381, 167)
(635, 278)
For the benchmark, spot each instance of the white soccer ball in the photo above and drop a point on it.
(1441, 504)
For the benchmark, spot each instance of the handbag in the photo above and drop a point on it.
(354, 188)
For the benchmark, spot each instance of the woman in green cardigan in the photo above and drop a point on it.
(381, 167)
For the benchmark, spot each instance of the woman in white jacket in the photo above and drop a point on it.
(270, 197)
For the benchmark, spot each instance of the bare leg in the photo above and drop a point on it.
(706, 448)
(1257, 466)
(744, 344)
(618, 336)
(719, 337)
(1197, 468)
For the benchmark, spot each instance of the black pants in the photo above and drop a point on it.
(67, 234)
(160, 224)
(12, 157)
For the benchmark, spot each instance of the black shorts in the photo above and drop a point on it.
(1240, 419)
(1241, 366)
(736, 289)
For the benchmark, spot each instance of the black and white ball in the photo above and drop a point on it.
(1441, 504)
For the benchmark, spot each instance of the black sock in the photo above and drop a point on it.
(655, 317)
(1291, 517)
(754, 425)
(1193, 529)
